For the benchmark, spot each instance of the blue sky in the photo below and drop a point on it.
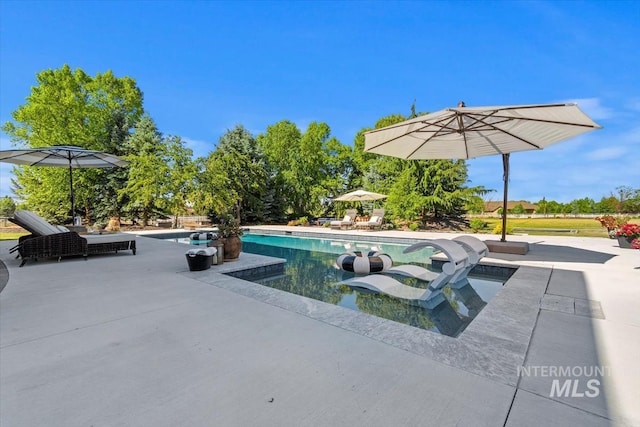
(206, 66)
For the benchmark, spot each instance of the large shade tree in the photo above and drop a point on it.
(299, 165)
(69, 107)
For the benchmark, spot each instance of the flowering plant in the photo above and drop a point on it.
(629, 230)
(635, 244)
(611, 222)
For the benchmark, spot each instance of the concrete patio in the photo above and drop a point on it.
(141, 341)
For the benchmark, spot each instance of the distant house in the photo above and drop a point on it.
(494, 207)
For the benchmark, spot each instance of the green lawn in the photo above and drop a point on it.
(11, 235)
(585, 227)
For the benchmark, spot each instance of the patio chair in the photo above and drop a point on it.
(475, 249)
(49, 241)
(347, 221)
(375, 221)
(452, 270)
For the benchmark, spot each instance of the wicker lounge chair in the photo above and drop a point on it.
(347, 221)
(50, 241)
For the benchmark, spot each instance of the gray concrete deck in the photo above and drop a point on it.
(140, 340)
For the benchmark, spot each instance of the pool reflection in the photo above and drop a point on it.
(313, 274)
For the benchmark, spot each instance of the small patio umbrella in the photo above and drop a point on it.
(468, 132)
(359, 195)
(63, 156)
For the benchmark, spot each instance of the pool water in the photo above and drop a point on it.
(310, 271)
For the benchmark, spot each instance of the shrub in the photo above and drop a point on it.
(498, 229)
(413, 226)
(300, 221)
(477, 224)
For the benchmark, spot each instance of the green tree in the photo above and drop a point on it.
(628, 199)
(553, 207)
(148, 171)
(182, 171)
(607, 205)
(632, 204)
(543, 207)
(234, 178)
(108, 202)
(475, 205)
(7, 206)
(306, 167)
(69, 107)
(518, 209)
(584, 206)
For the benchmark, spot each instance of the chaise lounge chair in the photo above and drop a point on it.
(375, 222)
(463, 253)
(347, 221)
(49, 241)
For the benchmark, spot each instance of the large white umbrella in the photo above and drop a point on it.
(468, 132)
(359, 195)
(63, 156)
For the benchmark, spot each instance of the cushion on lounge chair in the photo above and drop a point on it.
(93, 239)
(35, 223)
(346, 218)
(374, 219)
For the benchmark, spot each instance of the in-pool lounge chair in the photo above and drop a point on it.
(462, 253)
(50, 241)
(347, 221)
(375, 222)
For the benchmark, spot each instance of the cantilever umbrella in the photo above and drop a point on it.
(63, 156)
(468, 132)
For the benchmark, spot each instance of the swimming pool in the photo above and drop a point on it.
(310, 271)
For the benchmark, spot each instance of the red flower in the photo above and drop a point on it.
(635, 244)
(629, 230)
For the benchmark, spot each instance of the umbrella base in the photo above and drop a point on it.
(517, 248)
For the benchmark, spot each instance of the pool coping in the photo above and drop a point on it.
(494, 345)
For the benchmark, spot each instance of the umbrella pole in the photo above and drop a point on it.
(73, 208)
(505, 177)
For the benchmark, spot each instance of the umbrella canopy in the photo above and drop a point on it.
(63, 156)
(468, 132)
(359, 195)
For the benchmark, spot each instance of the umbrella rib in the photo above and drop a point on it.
(43, 159)
(438, 132)
(405, 134)
(531, 119)
(490, 125)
